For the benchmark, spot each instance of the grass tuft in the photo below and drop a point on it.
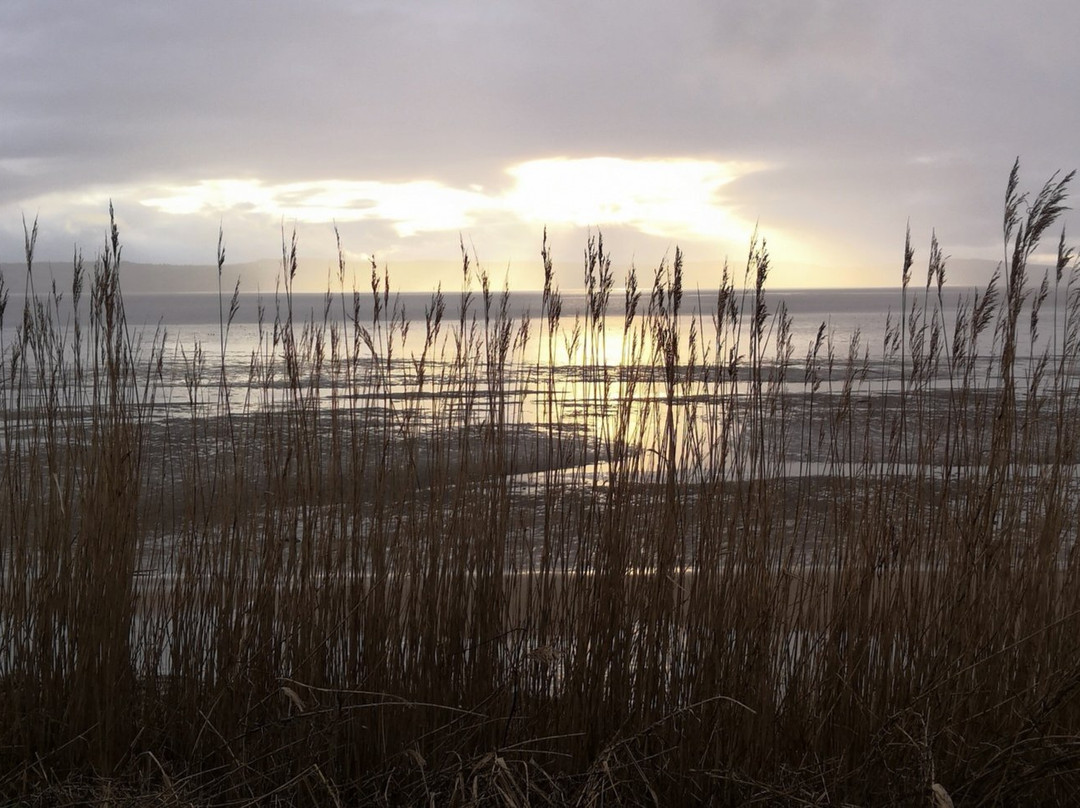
(661, 555)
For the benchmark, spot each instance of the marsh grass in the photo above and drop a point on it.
(741, 569)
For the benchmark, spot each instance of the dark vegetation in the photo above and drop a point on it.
(331, 583)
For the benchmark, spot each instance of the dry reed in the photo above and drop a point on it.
(326, 584)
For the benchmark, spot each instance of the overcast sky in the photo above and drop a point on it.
(413, 124)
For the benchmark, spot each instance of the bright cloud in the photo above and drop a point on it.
(658, 197)
(670, 198)
(412, 207)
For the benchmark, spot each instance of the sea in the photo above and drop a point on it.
(184, 333)
(862, 316)
(846, 314)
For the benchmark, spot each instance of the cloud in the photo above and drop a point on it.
(668, 198)
(410, 207)
(384, 115)
(644, 206)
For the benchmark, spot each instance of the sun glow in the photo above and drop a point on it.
(667, 198)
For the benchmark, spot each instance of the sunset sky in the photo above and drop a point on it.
(414, 124)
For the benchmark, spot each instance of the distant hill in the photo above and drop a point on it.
(139, 278)
(962, 272)
(255, 276)
(263, 276)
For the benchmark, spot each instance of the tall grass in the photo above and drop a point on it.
(696, 562)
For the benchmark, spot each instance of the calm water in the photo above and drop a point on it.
(582, 389)
(185, 322)
(844, 311)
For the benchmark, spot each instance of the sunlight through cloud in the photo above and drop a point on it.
(411, 207)
(658, 197)
(667, 198)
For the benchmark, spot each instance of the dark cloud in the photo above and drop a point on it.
(868, 114)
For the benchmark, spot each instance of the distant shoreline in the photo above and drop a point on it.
(201, 307)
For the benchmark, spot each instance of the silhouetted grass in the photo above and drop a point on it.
(699, 563)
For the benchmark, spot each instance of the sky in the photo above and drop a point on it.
(826, 126)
